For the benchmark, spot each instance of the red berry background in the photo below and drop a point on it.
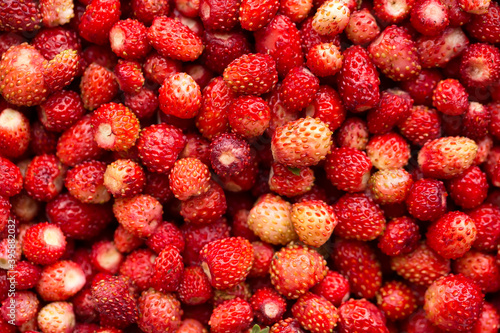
(246, 166)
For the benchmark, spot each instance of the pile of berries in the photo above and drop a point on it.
(246, 166)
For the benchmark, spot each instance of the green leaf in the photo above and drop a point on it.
(295, 171)
(257, 329)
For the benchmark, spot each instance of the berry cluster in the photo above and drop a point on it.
(246, 166)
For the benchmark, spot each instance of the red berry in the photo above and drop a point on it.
(44, 243)
(231, 316)
(361, 315)
(98, 19)
(153, 305)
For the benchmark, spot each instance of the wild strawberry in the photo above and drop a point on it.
(422, 126)
(124, 178)
(422, 266)
(251, 74)
(392, 109)
(44, 177)
(421, 87)
(229, 154)
(268, 306)
(84, 308)
(61, 110)
(362, 27)
(129, 76)
(214, 257)
(8, 39)
(124, 241)
(20, 16)
(392, 11)
(489, 319)
(396, 300)
(450, 97)
(298, 88)
(25, 307)
(479, 65)
(152, 304)
(296, 10)
(188, 8)
(77, 144)
(128, 39)
(417, 322)
(476, 121)
(280, 39)
(218, 15)
(388, 151)
(205, 208)
(485, 27)
(11, 182)
(470, 189)
(180, 96)
(189, 177)
(447, 157)
(288, 325)
(429, 17)
(313, 221)
(143, 104)
(98, 19)
(241, 290)
(474, 6)
(331, 18)
(174, 40)
(44, 243)
(295, 269)
(159, 146)
(231, 316)
(400, 66)
(197, 236)
(401, 236)
(60, 71)
(487, 220)
(21, 81)
(300, 143)
(390, 186)
(254, 14)
(98, 86)
(26, 275)
(290, 182)
(315, 313)
(146, 10)
(41, 140)
(157, 186)
(249, 116)
(327, 106)
(112, 297)
(190, 325)
(140, 215)
(194, 287)
(167, 271)
(56, 317)
(212, 116)
(310, 38)
(334, 288)
(76, 219)
(270, 220)
(348, 169)
(52, 41)
(60, 281)
(356, 261)
(427, 199)
(438, 51)
(481, 268)
(105, 257)
(157, 68)
(139, 267)
(166, 234)
(115, 127)
(353, 133)
(101, 55)
(222, 48)
(453, 302)
(262, 257)
(86, 182)
(358, 80)
(358, 315)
